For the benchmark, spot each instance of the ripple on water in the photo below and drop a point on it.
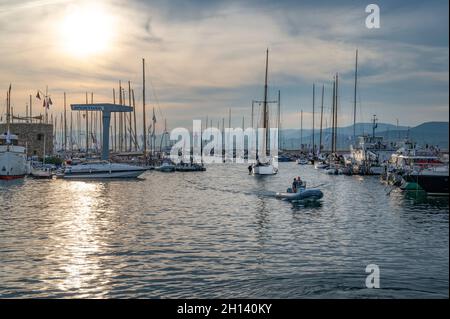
(219, 234)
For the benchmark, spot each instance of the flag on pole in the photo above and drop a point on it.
(38, 95)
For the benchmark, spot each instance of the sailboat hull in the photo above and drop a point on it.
(105, 174)
(264, 170)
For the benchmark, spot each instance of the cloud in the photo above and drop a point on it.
(205, 57)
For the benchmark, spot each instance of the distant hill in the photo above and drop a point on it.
(432, 133)
(361, 129)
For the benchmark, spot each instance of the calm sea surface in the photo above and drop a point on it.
(219, 234)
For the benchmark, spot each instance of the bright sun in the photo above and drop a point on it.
(87, 30)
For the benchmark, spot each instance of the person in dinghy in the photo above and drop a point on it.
(298, 191)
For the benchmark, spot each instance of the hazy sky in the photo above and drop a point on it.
(204, 57)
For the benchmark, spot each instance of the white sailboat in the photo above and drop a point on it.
(13, 158)
(265, 166)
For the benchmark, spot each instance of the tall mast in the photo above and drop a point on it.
(79, 129)
(154, 132)
(62, 132)
(279, 119)
(115, 123)
(333, 109)
(100, 128)
(136, 144)
(354, 101)
(125, 146)
(55, 130)
(301, 129)
(87, 128)
(65, 123)
(143, 106)
(336, 114)
(92, 132)
(130, 123)
(71, 132)
(265, 115)
(223, 138)
(313, 116)
(8, 109)
(229, 125)
(120, 119)
(321, 120)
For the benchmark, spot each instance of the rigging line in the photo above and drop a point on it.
(150, 80)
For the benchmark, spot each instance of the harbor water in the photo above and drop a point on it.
(220, 234)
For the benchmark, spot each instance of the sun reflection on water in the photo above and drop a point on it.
(80, 242)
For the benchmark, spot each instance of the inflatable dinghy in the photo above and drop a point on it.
(302, 194)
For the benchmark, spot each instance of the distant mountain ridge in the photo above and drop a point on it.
(431, 133)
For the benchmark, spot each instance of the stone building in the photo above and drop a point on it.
(32, 135)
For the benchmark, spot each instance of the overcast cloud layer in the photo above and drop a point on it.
(204, 57)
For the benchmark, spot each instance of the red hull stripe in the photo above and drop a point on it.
(11, 177)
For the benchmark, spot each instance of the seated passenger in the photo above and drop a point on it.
(294, 186)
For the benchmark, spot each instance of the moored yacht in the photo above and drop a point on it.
(41, 172)
(414, 168)
(371, 153)
(102, 169)
(13, 158)
(433, 180)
